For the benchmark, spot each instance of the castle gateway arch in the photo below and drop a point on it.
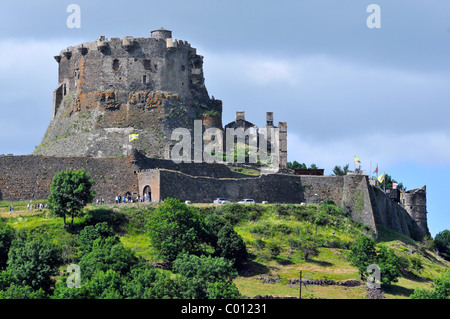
(149, 184)
(147, 193)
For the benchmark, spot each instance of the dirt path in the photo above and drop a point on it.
(21, 213)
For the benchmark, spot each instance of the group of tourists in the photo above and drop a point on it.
(99, 201)
(36, 206)
(129, 199)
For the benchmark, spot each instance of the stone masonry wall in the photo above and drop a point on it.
(29, 177)
(351, 192)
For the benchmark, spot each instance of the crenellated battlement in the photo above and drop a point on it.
(128, 43)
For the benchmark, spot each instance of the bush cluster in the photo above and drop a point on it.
(30, 262)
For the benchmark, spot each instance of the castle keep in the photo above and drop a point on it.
(110, 88)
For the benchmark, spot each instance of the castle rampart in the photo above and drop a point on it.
(29, 178)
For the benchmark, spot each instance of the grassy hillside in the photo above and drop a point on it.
(273, 234)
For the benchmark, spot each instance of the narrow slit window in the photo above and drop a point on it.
(115, 65)
(144, 79)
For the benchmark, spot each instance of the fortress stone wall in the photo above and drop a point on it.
(29, 178)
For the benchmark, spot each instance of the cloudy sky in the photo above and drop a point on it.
(345, 89)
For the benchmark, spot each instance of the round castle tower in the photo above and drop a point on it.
(415, 203)
(108, 89)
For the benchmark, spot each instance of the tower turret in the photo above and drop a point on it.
(415, 203)
(161, 33)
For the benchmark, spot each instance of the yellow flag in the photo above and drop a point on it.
(133, 137)
(381, 178)
(357, 161)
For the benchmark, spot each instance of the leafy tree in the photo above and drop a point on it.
(150, 283)
(309, 249)
(206, 268)
(33, 261)
(389, 265)
(212, 225)
(340, 171)
(6, 238)
(296, 165)
(389, 181)
(62, 291)
(442, 243)
(223, 290)
(175, 228)
(207, 277)
(102, 285)
(441, 289)
(22, 292)
(362, 254)
(107, 253)
(231, 246)
(90, 233)
(5, 279)
(105, 285)
(70, 191)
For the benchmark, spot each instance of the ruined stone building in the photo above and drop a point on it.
(111, 88)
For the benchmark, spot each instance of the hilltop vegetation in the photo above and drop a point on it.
(208, 251)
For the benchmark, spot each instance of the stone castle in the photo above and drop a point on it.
(108, 89)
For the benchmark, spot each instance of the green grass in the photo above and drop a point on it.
(141, 245)
(386, 235)
(245, 171)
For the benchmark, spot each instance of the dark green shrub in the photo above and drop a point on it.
(442, 243)
(6, 238)
(107, 253)
(274, 249)
(207, 277)
(90, 233)
(33, 262)
(231, 246)
(212, 225)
